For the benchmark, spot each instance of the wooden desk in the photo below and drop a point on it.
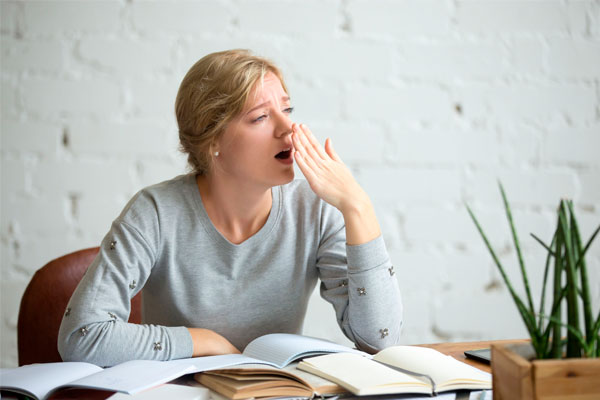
(455, 350)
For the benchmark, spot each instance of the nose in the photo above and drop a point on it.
(283, 124)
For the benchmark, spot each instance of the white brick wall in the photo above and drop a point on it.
(48, 19)
(397, 19)
(509, 16)
(158, 18)
(429, 103)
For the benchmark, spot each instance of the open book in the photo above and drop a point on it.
(39, 381)
(255, 380)
(398, 369)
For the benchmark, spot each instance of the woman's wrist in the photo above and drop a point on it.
(361, 222)
(356, 206)
(210, 343)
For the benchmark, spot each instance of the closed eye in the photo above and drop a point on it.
(288, 110)
(260, 118)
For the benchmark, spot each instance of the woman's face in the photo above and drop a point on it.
(256, 146)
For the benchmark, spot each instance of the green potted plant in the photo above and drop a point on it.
(558, 365)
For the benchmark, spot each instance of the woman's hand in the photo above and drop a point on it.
(210, 343)
(333, 182)
(327, 175)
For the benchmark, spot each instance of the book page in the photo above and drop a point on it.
(318, 384)
(282, 348)
(167, 391)
(362, 376)
(41, 379)
(266, 372)
(443, 369)
(244, 389)
(134, 376)
(207, 363)
(256, 372)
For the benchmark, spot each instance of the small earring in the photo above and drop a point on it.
(216, 154)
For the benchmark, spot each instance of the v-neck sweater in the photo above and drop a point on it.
(165, 244)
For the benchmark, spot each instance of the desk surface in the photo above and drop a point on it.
(455, 350)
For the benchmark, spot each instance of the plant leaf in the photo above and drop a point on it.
(548, 248)
(527, 316)
(588, 244)
(596, 328)
(573, 348)
(559, 294)
(576, 333)
(546, 270)
(517, 247)
(585, 289)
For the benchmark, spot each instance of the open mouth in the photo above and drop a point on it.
(282, 155)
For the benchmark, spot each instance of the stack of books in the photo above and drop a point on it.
(270, 366)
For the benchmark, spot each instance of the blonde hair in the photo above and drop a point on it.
(212, 93)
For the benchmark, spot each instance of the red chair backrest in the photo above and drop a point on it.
(45, 301)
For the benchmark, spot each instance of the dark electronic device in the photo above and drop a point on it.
(483, 355)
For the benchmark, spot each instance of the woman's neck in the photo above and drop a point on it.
(237, 211)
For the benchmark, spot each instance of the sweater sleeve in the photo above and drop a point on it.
(94, 327)
(361, 284)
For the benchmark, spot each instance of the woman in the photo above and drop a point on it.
(233, 250)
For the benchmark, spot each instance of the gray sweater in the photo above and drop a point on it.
(165, 243)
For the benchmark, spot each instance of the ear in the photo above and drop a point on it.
(214, 149)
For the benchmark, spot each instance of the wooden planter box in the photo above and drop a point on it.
(516, 377)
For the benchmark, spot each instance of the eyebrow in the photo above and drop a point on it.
(283, 99)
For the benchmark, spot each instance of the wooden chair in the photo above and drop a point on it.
(45, 301)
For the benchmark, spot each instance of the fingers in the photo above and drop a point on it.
(307, 153)
(318, 164)
(314, 142)
(304, 167)
(304, 148)
(329, 149)
(313, 147)
(306, 156)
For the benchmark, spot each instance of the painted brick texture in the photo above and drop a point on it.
(428, 102)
